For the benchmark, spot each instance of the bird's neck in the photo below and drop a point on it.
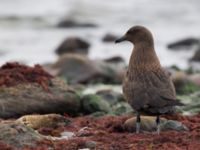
(144, 57)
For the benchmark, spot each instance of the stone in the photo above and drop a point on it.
(18, 135)
(196, 56)
(92, 103)
(43, 121)
(76, 68)
(148, 124)
(109, 37)
(110, 96)
(70, 23)
(25, 99)
(122, 108)
(73, 45)
(90, 144)
(183, 44)
(173, 125)
(183, 84)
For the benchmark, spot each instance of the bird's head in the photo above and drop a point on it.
(136, 35)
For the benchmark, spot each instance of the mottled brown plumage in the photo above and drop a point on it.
(147, 87)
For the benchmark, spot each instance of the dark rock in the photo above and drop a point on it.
(26, 99)
(67, 23)
(18, 135)
(77, 68)
(173, 125)
(90, 144)
(196, 56)
(183, 44)
(122, 108)
(109, 38)
(115, 59)
(110, 96)
(73, 45)
(93, 103)
(98, 114)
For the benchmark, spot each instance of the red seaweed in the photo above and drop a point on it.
(12, 74)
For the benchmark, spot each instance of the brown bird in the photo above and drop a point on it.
(147, 86)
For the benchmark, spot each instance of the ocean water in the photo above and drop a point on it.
(28, 31)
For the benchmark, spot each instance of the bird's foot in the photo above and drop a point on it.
(158, 129)
(137, 127)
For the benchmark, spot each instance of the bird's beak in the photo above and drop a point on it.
(123, 38)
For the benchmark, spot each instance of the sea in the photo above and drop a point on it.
(29, 32)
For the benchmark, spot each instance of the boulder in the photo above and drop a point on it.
(115, 59)
(109, 37)
(26, 99)
(148, 124)
(196, 56)
(110, 96)
(122, 108)
(73, 45)
(18, 135)
(69, 23)
(183, 44)
(76, 68)
(43, 121)
(92, 103)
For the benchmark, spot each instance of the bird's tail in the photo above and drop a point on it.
(177, 102)
(174, 102)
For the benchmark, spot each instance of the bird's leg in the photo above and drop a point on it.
(158, 124)
(138, 123)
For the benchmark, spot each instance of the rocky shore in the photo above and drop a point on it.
(77, 103)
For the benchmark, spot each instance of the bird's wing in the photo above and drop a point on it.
(161, 93)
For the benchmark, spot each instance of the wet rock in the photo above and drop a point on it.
(69, 23)
(77, 68)
(182, 83)
(109, 37)
(43, 121)
(90, 144)
(92, 103)
(192, 104)
(173, 125)
(122, 108)
(110, 96)
(114, 72)
(115, 59)
(98, 114)
(73, 45)
(148, 124)
(26, 99)
(18, 135)
(196, 56)
(183, 44)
